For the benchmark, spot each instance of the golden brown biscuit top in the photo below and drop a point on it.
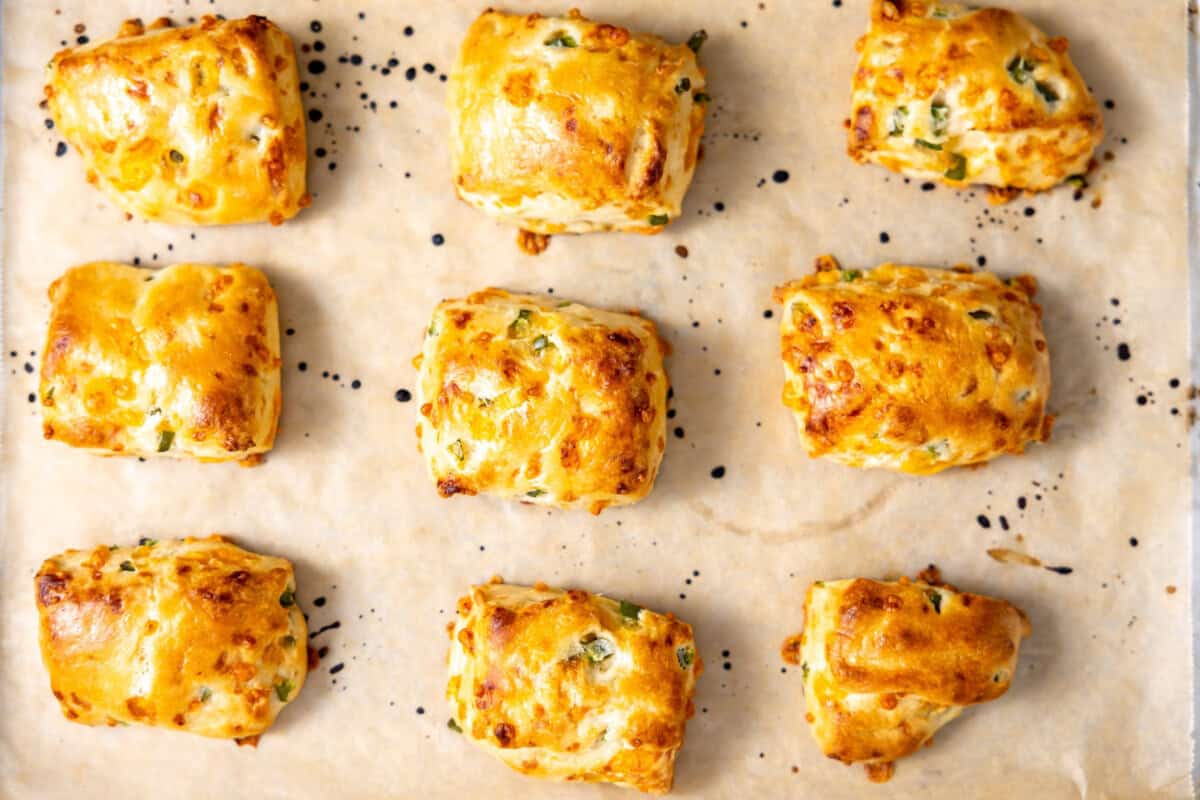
(545, 400)
(950, 648)
(887, 664)
(940, 85)
(196, 635)
(578, 110)
(912, 368)
(182, 360)
(577, 676)
(196, 125)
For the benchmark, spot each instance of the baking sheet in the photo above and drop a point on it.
(1101, 705)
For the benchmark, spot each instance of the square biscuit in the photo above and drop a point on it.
(914, 369)
(572, 686)
(181, 362)
(200, 125)
(565, 125)
(542, 400)
(194, 635)
(949, 92)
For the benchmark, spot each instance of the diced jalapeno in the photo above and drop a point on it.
(288, 598)
(283, 690)
(598, 649)
(935, 599)
(941, 118)
(520, 325)
(927, 144)
(165, 439)
(630, 611)
(697, 40)
(958, 171)
(898, 120)
(458, 450)
(685, 655)
(1046, 91)
(1020, 69)
(561, 39)
(659, 219)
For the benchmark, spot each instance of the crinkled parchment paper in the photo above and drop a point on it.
(1101, 704)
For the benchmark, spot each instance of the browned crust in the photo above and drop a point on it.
(226, 89)
(210, 332)
(150, 634)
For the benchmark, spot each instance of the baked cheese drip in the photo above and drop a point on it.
(562, 124)
(181, 362)
(194, 635)
(572, 686)
(886, 664)
(914, 369)
(543, 400)
(191, 126)
(943, 91)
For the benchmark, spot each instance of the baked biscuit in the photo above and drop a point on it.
(195, 635)
(886, 664)
(189, 126)
(565, 125)
(914, 369)
(572, 686)
(181, 362)
(969, 96)
(548, 401)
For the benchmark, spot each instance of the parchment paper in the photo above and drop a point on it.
(1100, 706)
